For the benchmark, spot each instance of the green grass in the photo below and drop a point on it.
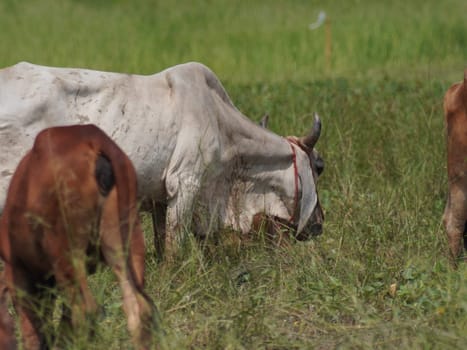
(384, 185)
(243, 41)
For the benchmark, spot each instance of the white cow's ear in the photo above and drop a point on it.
(309, 195)
(264, 121)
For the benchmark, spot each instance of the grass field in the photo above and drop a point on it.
(379, 276)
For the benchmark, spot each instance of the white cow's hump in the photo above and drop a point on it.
(190, 74)
(195, 75)
(21, 66)
(23, 71)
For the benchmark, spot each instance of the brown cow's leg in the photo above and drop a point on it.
(30, 324)
(137, 254)
(7, 323)
(80, 309)
(455, 218)
(26, 299)
(67, 251)
(137, 306)
(82, 303)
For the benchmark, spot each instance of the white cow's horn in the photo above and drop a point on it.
(311, 139)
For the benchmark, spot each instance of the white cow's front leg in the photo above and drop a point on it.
(180, 210)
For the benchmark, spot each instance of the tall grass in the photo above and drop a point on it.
(243, 41)
(378, 277)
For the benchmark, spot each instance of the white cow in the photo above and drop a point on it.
(198, 158)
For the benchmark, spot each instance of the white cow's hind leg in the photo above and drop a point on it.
(159, 214)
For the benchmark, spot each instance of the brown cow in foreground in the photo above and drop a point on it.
(73, 193)
(455, 214)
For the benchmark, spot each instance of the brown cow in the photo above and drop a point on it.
(455, 214)
(74, 191)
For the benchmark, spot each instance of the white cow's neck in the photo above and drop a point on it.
(263, 173)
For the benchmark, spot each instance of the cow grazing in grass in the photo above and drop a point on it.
(73, 193)
(455, 214)
(198, 158)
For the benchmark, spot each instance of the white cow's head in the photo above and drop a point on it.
(301, 209)
(311, 213)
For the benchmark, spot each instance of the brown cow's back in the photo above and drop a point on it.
(73, 188)
(62, 161)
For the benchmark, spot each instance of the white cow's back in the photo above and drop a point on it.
(153, 118)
